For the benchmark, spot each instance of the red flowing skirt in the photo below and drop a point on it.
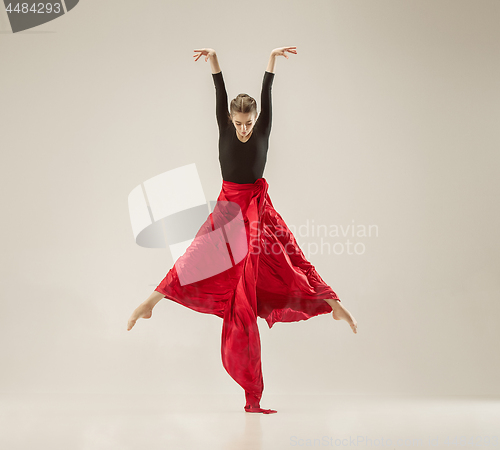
(244, 263)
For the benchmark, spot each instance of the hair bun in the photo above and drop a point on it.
(243, 103)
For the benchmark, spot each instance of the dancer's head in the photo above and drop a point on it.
(243, 113)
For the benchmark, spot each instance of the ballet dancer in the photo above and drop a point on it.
(273, 280)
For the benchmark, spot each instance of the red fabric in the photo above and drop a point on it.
(273, 281)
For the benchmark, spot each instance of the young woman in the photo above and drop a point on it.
(269, 277)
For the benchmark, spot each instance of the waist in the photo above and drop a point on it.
(244, 186)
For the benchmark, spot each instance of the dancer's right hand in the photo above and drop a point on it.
(208, 52)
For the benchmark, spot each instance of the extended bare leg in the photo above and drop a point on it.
(341, 313)
(145, 309)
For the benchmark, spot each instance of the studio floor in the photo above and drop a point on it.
(186, 421)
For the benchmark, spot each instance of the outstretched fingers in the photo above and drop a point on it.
(282, 51)
(200, 55)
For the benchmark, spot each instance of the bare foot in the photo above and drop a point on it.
(341, 313)
(144, 311)
(254, 409)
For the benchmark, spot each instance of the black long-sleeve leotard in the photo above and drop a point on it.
(243, 162)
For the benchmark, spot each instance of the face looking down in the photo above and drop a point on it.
(244, 123)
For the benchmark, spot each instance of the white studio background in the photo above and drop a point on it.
(387, 116)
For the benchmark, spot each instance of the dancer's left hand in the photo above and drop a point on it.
(281, 51)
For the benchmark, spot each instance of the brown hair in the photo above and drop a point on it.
(244, 104)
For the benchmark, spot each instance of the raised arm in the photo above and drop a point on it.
(265, 116)
(221, 108)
